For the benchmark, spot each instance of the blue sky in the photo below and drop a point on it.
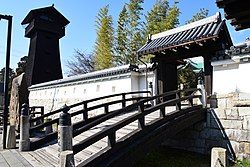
(80, 33)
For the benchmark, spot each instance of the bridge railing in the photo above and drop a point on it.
(85, 111)
(110, 132)
(51, 135)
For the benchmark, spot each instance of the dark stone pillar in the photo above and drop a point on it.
(208, 74)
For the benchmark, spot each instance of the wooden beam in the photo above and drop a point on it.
(236, 7)
(241, 14)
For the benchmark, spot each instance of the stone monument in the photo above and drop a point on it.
(19, 96)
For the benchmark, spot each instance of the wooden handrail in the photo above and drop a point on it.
(129, 108)
(87, 101)
(110, 131)
(84, 111)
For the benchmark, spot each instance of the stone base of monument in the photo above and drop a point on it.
(218, 157)
(11, 137)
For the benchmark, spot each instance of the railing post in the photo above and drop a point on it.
(65, 135)
(106, 109)
(123, 100)
(65, 130)
(24, 142)
(11, 137)
(85, 114)
(111, 139)
(190, 102)
(203, 98)
(178, 104)
(42, 113)
(48, 129)
(162, 110)
(151, 92)
(141, 120)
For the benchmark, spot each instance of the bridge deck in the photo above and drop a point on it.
(49, 155)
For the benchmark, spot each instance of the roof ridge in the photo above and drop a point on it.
(214, 18)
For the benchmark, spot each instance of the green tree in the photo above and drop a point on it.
(203, 13)
(187, 77)
(121, 47)
(161, 18)
(156, 17)
(135, 25)
(21, 65)
(172, 18)
(11, 74)
(103, 51)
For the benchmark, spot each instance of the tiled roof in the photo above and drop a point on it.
(89, 76)
(199, 31)
(46, 10)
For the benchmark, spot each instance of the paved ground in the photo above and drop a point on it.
(11, 157)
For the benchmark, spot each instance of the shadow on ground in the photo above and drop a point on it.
(167, 157)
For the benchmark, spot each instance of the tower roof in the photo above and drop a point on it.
(49, 11)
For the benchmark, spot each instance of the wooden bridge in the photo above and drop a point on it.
(115, 137)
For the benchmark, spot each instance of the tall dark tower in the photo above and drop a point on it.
(45, 26)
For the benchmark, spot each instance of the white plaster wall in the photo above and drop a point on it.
(244, 78)
(142, 81)
(225, 78)
(231, 76)
(56, 97)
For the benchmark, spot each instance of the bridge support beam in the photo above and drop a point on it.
(24, 142)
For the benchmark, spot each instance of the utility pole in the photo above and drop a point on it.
(6, 77)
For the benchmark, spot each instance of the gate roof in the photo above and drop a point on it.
(212, 29)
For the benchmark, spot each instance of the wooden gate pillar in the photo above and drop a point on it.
(166, 77)
(208, 74)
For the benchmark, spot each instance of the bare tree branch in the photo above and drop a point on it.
(81, 64)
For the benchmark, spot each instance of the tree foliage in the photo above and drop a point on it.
(11, 74)
(162, 17)
(187, 77)
(135, 25)
(203, 13)
(81, 64)
(121, 48)
(131, 33)
(103, 51)
(21, 65)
